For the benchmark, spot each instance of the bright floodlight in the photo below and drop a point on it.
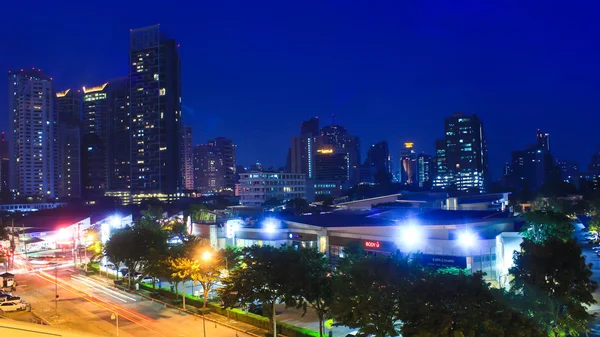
(411, 236)
(270, 225)
(115, 221)
(467, 239)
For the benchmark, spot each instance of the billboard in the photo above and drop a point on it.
(443, 261)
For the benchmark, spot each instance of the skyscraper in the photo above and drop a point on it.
(531, 168)
(569, 170)
(119, 135)
(68, 104)
(424, 173)
(209, 169)
(155, 102)
(4, 163)
(543, 140)
(187, 158)
(335, 137)
(408, 165)
(465, 153)
(378, 157)
(443, 178)
(227, 149)
(302, 149)
(96, 112)
(35, 168)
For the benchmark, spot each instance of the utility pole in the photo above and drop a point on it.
(55, 286)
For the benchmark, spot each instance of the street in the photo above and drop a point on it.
(87, 304)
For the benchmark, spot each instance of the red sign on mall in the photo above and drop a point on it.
(372, 244)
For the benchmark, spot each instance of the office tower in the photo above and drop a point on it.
(332, 165)
(187, 158)
(543, 140)
(209, 169)
(155, 103)
(378, 157)
(4, 163)
(424, 173)
(302, 148)
(119, 135)
(68, 104)
(96, 112)
(34, 169)
(227, 149)
(443, 178)
(464, 151)
(569, 170)
(531, 168)
(408, 165)
(335, 137)
(284, 186)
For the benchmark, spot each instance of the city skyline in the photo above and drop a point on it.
(235, 82)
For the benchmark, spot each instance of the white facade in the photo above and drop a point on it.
(35, 168)
(258, 187)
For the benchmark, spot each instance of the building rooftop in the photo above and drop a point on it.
(378, 217)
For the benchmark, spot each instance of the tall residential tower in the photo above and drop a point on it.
(68, 104)
(35, 167)
(155, 102)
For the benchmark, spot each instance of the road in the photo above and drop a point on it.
(87, 304)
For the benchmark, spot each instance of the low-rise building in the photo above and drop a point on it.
(256, 187)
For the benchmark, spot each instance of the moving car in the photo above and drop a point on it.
(11, 306)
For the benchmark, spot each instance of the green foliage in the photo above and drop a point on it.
(313, 283)
(545, 225)
(453, 303)
(371, 292)
(264, 276)
(554, 286)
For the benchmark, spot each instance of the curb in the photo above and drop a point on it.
(45, 322)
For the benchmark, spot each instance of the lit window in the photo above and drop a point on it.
(163, 91)
(156, 77)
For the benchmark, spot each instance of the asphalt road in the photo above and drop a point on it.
(87, 304)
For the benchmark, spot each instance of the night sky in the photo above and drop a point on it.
(253, 70)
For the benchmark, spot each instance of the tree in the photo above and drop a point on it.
(452, 303)
(117, 247)
(313, 283)
(371, 293)
(195, 211)
(181, 270)
(553, 285)
(264, 276)
(271, 203)
(544, 225)
(207, 272)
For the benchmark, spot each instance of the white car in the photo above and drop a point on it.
(11, 306)
(149, 279)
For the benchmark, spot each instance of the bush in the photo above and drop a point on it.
(262, 322)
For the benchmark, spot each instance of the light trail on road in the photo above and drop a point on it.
(130, 315)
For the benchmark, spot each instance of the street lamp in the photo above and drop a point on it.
(270, 225)
(115, 316)
(468, 239)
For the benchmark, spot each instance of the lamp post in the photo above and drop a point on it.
(115, 317)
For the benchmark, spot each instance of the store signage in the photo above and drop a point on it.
(442, 261)
(372, 244)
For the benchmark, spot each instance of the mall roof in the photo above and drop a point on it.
(384, 217)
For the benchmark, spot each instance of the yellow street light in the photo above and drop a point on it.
(206, 256)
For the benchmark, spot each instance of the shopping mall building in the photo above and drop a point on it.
(476, 240)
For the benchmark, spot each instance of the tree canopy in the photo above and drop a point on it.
(553, 284)
(545, 225)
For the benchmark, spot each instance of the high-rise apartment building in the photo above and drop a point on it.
(155, 103)
(531, 168)
(227, 149)
(543, 140)
(68, 104)
(464, 151)
(209, 169)
(569, 170)
(187, 158)
(408, 165)
(35, 167)
(4, 163)
(332, 165)
(95, 159)
(424, 172)
(336, 138)
(119, 135)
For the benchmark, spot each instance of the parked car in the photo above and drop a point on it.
(149, 279)
(12, 306)
(255, 308)
(14, 299)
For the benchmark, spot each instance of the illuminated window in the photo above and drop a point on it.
(156, 77)
(163, 91)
